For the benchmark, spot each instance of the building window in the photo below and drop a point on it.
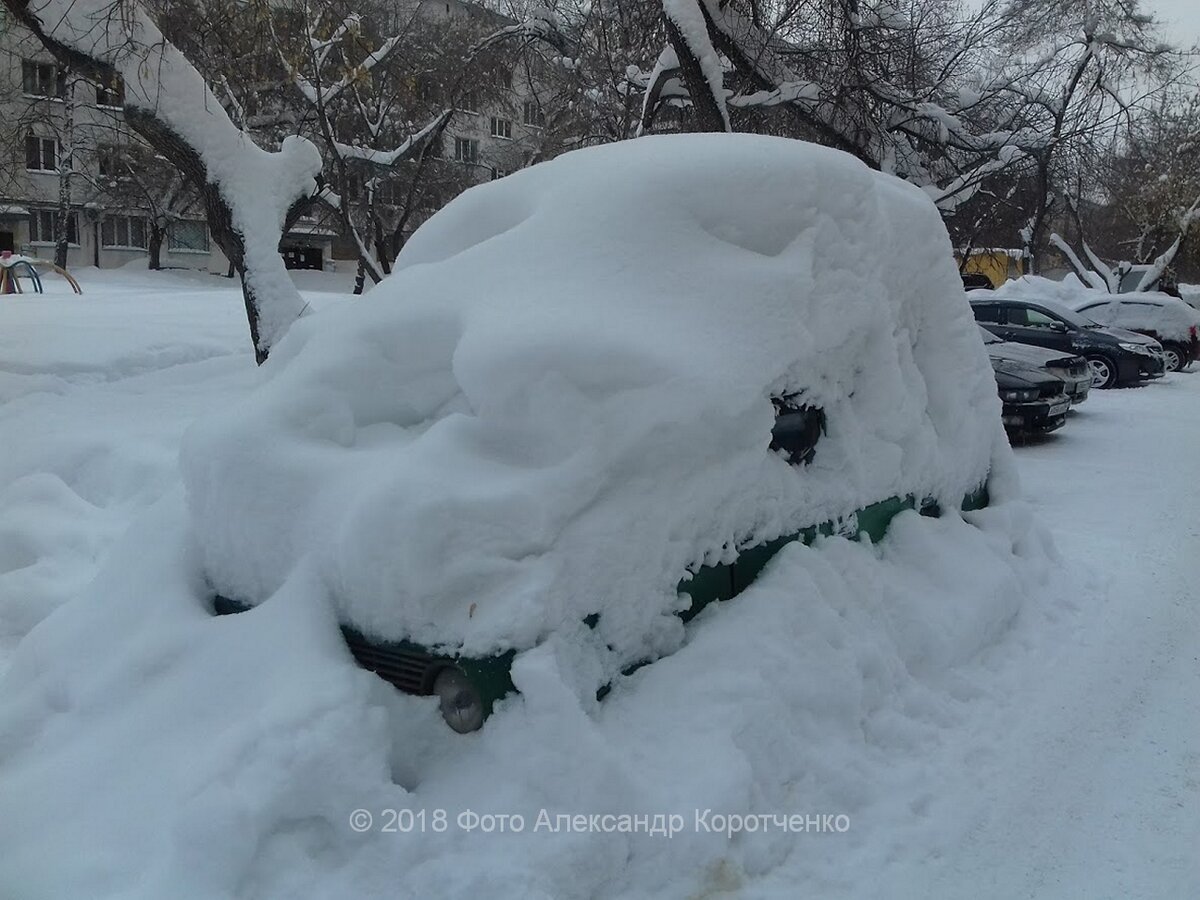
(466, 150)
(41, 79)
(389, 193)
(127, 232)
(111, 92)
(188, 235)
(352, 187)
(501, 128)
(469, 102)
(41, 227)
(41, 154)
(534, 116)
(112, 160)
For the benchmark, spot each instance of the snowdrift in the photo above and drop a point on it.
(561, 399)
(149, 750)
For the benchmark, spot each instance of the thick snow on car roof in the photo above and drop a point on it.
(1168, 316)
(561, 399)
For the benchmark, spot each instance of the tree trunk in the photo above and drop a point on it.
(155, 247)
(708, 116)
(1038, 221)
(220, 218)
(66, 165)
(360, 277)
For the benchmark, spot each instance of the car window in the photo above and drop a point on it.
(1104, 313)
(986, 312)
(1032, 318)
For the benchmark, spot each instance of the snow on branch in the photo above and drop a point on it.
(410, 145)
(1094, 279)
(688, 25)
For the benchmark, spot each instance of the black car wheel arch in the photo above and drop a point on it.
(1104, 370)
(1174, 356)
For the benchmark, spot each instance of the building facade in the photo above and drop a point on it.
(66, 147)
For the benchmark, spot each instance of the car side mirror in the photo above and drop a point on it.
(797, 430)
(1059, 327)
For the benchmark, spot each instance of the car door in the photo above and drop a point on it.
(1034, 325)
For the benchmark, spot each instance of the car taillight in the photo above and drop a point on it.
(1192, 331)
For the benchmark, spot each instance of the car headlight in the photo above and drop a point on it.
(1141, 349)
(1023, 396)
(461, 705)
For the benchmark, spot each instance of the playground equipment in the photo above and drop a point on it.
(14, 267)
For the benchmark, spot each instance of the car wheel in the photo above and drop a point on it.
(1104, 371)
(1173, 357)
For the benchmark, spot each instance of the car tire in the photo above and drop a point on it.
(1104, 371)
(1174, 356)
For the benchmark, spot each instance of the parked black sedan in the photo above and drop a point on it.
(1035, 402)
(1073, 371)
(1115, 357)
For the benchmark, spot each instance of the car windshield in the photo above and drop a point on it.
(988, 337)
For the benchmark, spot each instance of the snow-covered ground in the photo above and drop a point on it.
(1038, 739)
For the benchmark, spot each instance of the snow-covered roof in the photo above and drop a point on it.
(1167, 316)
(560, 400)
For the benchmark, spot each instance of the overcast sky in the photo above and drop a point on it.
(1181, 19)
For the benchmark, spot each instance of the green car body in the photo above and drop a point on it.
(416, 669)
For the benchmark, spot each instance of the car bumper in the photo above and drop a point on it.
(1135, 367)
(1079, 389)
(1038, 417)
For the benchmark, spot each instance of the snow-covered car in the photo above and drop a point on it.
(1170, 321)
(1116, 356)
(594, 397)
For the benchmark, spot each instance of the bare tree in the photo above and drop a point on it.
(378, 84)
(249, 194)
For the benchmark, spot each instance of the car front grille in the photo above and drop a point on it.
(409, 670)
(397, 663)
(1050, 390)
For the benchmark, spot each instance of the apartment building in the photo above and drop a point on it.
(65, 137)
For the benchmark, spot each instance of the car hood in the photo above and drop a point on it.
(1013, 374)
(1128, 337)
(1026, 354)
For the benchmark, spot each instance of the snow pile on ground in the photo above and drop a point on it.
(1170, 317)
(95, 392)
(152, 750)
(1035, 288)
(561, 399)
